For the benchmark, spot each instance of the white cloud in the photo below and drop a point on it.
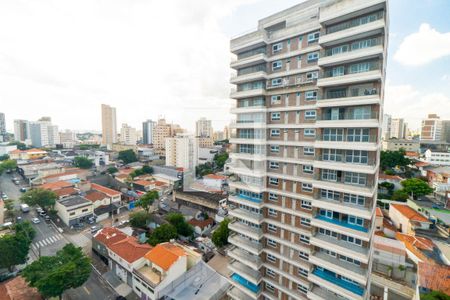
(445, 77)
(148, 58)
(424, 46)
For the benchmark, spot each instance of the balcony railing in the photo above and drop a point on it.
(348, 92)
(369, 182)
(348, 116)
(348, 139)
(335, 73)
(342, 223)
(364, 161)
(355, 22)
(331, 277)
(245, 283)
(355, 46)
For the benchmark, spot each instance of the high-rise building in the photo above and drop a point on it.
(43, 133)
(22, 131)
(398, 128)
(109, 125)
(3, 134)
(386, 127)
(181, 152)
(445, 136)
(128, 135)
(67, 138)
(431, 128)
(203, 128)
(305, 146)
(147, 132)
(161, 131)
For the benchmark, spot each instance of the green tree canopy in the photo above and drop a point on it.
(204, 169)
(10, 212)
(435, 295)
(220, 159)
(163, 233)
(7, 164)
(220, 235)
(20, 145)
(139, 219)
(141, 171)
(82, 162)
(391, 159)
(112, 170)
(400, 195)
(52, 275)
(4, 157)
(147, 200)
(41, 197)
(26, 230)
(183, 227)
(416, 186)
(14, 250)
(127, 156)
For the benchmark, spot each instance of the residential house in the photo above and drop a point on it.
(210, 203)
(201, 226)
(114, 195)
(434, 277)
(406, 219)
(421, 249)
(18, 289)
(73, 210)
(394, 179)
(103, 204)
(29, 154)
(105, 238)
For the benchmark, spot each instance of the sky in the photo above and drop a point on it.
(171, 58)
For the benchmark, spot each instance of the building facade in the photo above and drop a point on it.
(203, 128)
(22, 131)
(386, 127)
(43, 133)
(147, 132)
(398, 128)
(305, 149)
(109, 125)
(182, 152)
(128, 135)
(431, 128)
(3, 135)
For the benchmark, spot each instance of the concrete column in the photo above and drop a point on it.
(386, 292)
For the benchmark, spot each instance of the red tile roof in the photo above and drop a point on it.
(435, 277)
(416, 245)
(73, 172)
(129, 249)
(143, 182)
(160, 183)
(201, 223)
(389, 177)
(214, 176)
(387, 224)
(66, 191)
(165, 255)
(93, 195)
(105, 190)
(410, 213)
(18, 289)
(421, 164)
(109, 236)
(53, 186)
(379, 213)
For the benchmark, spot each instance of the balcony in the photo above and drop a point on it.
(246, 215)
(245, 275)
(255, 233)
(258, 124)
(343, 207)
(369, 167)
(349, 96)
(372, 74)
(248, 41)
(345, 142)
(318, 293)
(236, 294)
(244, 257)
(357, 273)
(342, 223)
(330, 277)
(242, 185)
(245, 244)
(249, 109)
(238, 94)
(346, 119)
(342, 247)
(242, 62)
(241, 78)
(351, 56)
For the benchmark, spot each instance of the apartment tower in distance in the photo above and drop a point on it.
(306, 142)
(109, 126)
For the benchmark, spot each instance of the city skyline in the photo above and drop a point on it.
(45, 77)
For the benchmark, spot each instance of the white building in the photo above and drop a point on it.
(182, 152)
(22, 131)
(128, 135)
(437, 158)
(68, 138)
(203, 128)
(398, 128)
(3, 135)
(43, 133)
(147, 132)
(386, 127)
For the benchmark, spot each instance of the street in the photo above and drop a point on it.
(95, 288)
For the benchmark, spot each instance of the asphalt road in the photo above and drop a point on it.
(10, 189)
(94, 289)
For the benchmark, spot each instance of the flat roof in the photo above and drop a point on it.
(72, 201)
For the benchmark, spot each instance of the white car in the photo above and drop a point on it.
(35, 220)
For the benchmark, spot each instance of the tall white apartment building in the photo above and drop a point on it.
(182, 152)
(128, 135)
(203, 128)
(147, 132)
(109, 126)
(398, 128)
(305, 150)
(386, 127)
(43, 133)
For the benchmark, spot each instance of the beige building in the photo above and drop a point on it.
(205, 142)
(395, 145)
(431, 129)
(2, 211)
(406, 219)
(182, 152)
(73, 210)
(398, 128)
(161, 131)
(305, 145)
(122, 147)
(128, 135)
(109, 126)
(203, 128)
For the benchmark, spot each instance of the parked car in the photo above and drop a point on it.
(47, 218)
(23, 190)
(95, 228)
(35, 221)
(24, 208)
(78, 226)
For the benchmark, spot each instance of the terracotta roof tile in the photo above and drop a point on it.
(435, 277)
(56, 185)
(66, 191)
(73, 172)
(18, 289)
(105, 190)
(421, 164)
(389, 177)
(143, 182)
(93, 195)
(165, 255)
(109, 236)
(379, 213)
(410, 213)
(129, 249)
(201, 223)
(214, 176)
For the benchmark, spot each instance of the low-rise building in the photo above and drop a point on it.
(397, 144)
(406, 219)
(105, 238)
(29, 154)
(112, 194)
(73, 210)
(201, 226)
(6, 149)
(210, 203)
(437, 158)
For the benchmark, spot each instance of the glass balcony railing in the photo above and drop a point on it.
(347, 92)
(342, 223)
(355, 22)
(352, 69)
(328, 116)
(253, 52)
(333, 278)
(245, 283)
(354, 46)
(348, 138)
(346, 159)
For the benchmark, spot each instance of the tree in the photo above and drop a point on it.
(7, 164)
(127, 156)
(41, 197)
(183, 227)
(220, 235)
(52, 275)
(141, 171)
(220, 159)
(391, 159)
(400, 195)
(204, 169)
(146, 201)
(14, 250)
(82, 162)
(416, 187)
(20, 145)
(139, 219)
(147, 170)
(163, 233)
(435, 295)
(112, 170)
(4, 157)
(387, 185)
(9, 207)
(26, 230)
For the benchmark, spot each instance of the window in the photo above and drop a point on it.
(330, 253)
(270, 287)
(273, 181)
(276, 65)
(274, 165)
(350, 260)
(302, 272)
(330, 195)
(312, 75)
(304, 239)
(271, 243)
(329, 175)
(302, 289)
(277, 47)
(351, 239)
(305, 222)
(337, 71)
(360, 67)
(313, 37)
(354, 199)
(272, 228)
(271, 258)
(271, 273)
(273, 197)
(275, 132)
(306, 204)
(356, 156)
(275, 99)
(276, 81)
(274, 148)
(326, 213)
(307, 187)
(313, 56)
(309, 132)
(72, 214)
(328, 233)
(308, 150)
(85, 210)
(332, 155)
(355, 178)
(333, 134)
(355, 220)
(303, 255)
(272, 212)
(358, 135)
(310, 114)
(275, 116)
(308, 169)
(310, 95)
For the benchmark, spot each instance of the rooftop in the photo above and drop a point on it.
(18, 289)
(73, 201)
(143, 182)
(421, 247)
(69, 172)
(379, 213)
(165, 255)
(435, 277)
(130, 249)
(389, 177)
(56, 185)
(93, 195)
(214, 176)
(66, 191)
(105, 190)
(109, 236)
(201, 223)
(410, 213)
